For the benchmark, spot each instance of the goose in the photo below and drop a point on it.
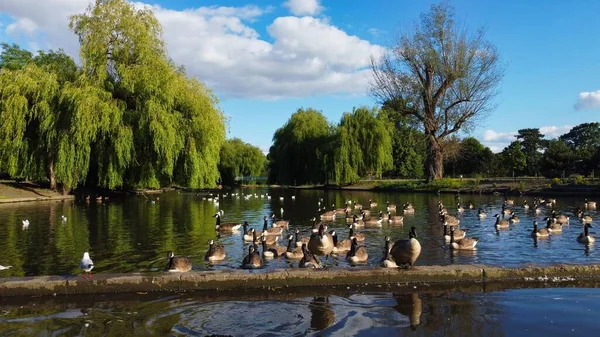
(357, 223)
(257, 238)
(316, 224)
(442, 209)
(321, 243)
(553, 226)
(357, 254)
(358, 206)
(63, 218)
(459, 208)
(4, 267)
(384, 216)
(248, 236)
(339, 211)
(462, 244)
(388, 261)
(505, 211)
(275, 251)
(252, 260)
(459, 234)
(537, 233)
(450, 220)
(308, 260)
(291, 252)
(584, 218)
(372, 204)
(408, 208)
(525, 205)
(340, 246)
(481, 214)
(509, 202)
(585, 237)
(365, 212)
(229, 227)
(276, 231)
(590, 204)
(279, 223)
(86, 265)
(216, 252)
(514, 218)
(373, 221)
(25, 224)
(537, 210)
(350, 219)
(561, 218)
(470, 205)
(330, 215)
(501, 224)
(406, 251)
(177, 263)
(390, 207)
(360, 237)
(301, 241)
(396, 219)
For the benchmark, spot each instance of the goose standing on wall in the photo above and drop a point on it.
(388, 261)
(178, 263)
(406, 251)
(539, 233)
(252, 260)
(216, 252)
(229, 227)
(462, 244)
(309, 260)
(321, 243)
(293, 252)
(357, 254)
(86, 265)
(585, 237)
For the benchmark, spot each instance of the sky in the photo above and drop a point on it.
(265, 59)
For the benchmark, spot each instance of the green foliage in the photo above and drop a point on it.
(584, 139)
(556, 181)
(408, 146)
(513, 159)
(13, 57)
(239, 158)
(558, 159)
(532, 143)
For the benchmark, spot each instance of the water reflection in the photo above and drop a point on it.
(322, 315)
(410, 305)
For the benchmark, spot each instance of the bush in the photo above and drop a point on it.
(556, 181)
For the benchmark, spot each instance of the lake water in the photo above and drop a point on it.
(321, 312)
(133, 234)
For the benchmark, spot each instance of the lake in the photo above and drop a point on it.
(134, 234)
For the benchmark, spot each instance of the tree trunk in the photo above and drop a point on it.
(51, 173)
(435, 159)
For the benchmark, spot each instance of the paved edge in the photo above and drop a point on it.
(39, 198)
(244, 279)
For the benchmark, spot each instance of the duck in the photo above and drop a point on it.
(537, 233)
(252, 260)
(462, 244)
(272, 252)
(301, 241)
(340, 246)
(395, 219)
(229, 227)
(501, 224)
(279, 223)
(590, 204)
(248, 236)
(372, 204)
(481, 214)
(561, 218)
(514, 218)
(357, 254)
(553, 226)
(360, 237)
(390, 207)
(180, 264)
(273, 231)
(388, 261)
(86, 264)
(459, 234)
(407, 251)
(321, 243)
(293, 252)
(585, 237)
(584, 218)
(309, 260)
(216, 252)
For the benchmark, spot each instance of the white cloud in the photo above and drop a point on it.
(23, 25)
(307, 57)
(588, 100)
(497, 141)
(493, 136)
(555, 131)
(304, 7)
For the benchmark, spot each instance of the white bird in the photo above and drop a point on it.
(293, 197)
(25, 224)
(63, 218)
(86, 264)
(4, 268)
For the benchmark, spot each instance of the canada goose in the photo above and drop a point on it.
(357, 253)
(514, 218)
(525, 205)
(293, 252)
(585, 218)
(459, 208)
(585, 237)
(590, 204)
(340, 246)
(357, 223)
(553, 226)
(390, 207)
(316, 224)
(339, 211)
(309, 260)
(276, 231)
(86, 265)
(229, 227)
(384, 216)
(561, 218)
(373, 221)
(450, 220)
(252, 260)
(536, 209)
(330, 215)
(301, 241)
(501, 224)
(395, 219)
(509, 202)
(360, 237)
(279, 223)
(543, 232)
(257, 238)
(408, 208)
(357, 206)
(481, 214)
(321, 243)
(462, 244)
(372, 204)
(470, 205)
(177, 263)
(505, 211)
(406, 251)
(248, 237)
(275, 251)
(458, 234)
(364, 213)
(350, 219)
(388, 261)
(216, 252)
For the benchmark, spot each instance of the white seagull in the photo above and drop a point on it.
(4, 268)
(86, 265)
(25, 224)
(63, 218)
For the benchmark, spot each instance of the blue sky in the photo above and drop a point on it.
(265, 59)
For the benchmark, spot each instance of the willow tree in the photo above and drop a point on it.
(298, 153)
(364, 145)
(146, 123)
(240, 158)
(441, 75)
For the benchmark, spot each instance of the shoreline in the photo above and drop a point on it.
(240, 280)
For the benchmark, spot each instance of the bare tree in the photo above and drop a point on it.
(442, 76)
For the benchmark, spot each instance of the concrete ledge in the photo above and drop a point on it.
(225, 280)
(40, 198)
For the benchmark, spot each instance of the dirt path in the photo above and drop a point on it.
(12, 191)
